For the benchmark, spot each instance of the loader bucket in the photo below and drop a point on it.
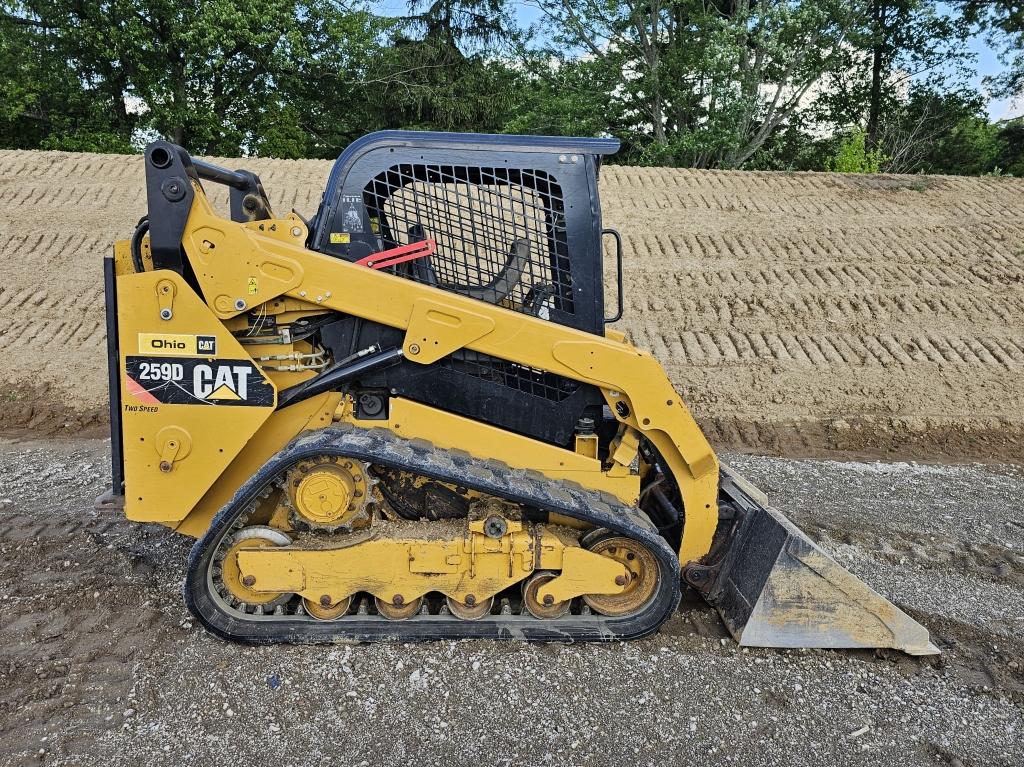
(774, 587)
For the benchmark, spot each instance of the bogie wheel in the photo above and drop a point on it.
(323, 610)
(643, 576)
(536, 606)
(472, 612)
(398, 612)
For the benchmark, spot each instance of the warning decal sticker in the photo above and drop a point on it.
(352, 213)
(190, 381)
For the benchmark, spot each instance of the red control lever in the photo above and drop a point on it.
(399, 255)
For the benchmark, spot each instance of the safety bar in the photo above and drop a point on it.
(618, 271)
(169, 195)
(210, 172)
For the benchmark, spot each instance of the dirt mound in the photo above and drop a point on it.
(797, 313)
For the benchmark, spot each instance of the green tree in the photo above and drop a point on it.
(704, 83)
(853, 156)
(324, 91)
(217, 76)
(54, 97)
(1010, 157)
(1003, 21)
(567, 100)
(211, 72)
(902, 47)
(908, 41)
(935, 131)
(442, 70)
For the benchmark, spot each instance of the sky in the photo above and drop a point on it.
(987, 64)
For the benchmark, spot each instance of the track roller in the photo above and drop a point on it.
(324, 609)
(398, 610)
(534, 605)
(470, 612)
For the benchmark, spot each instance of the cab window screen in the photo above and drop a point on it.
(500, 232)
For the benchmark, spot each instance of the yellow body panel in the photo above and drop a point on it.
(173, 453)
(263, 264)
(472, 566)
(279, 429)
(232, 254)
(411, 419)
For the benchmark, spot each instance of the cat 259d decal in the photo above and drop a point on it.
(190, 381)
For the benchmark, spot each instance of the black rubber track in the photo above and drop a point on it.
(529, 488)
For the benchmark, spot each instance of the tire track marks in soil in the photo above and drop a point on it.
(810, 307)
(86, 594)
(724, 347)
(792, 310)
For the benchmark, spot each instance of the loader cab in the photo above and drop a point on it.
(516, 220)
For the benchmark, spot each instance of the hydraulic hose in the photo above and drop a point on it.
(338, 375)
(136, 243)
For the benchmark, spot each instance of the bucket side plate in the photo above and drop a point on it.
(774, 587)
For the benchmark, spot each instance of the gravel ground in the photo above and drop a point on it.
(101, 664)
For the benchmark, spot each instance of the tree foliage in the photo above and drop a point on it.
(853, 155)
(794, 84)
(56, 98)
(438, 73)
(1003, 21)
(703, 83)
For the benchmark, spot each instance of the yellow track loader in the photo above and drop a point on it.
(408, 418)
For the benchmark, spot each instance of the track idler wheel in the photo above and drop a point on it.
(398, 610)
(235, 586)
(470, 612)
(644, 576)
(537, 607)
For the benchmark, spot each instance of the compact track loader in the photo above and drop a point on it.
(408, 418)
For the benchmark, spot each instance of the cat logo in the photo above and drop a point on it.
(224, 382)
(206, 344)
(153, 380)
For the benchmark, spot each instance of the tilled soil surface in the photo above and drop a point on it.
(101, 663)
(799, 314)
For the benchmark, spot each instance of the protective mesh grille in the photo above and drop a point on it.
(538, 383)
(500, 232)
